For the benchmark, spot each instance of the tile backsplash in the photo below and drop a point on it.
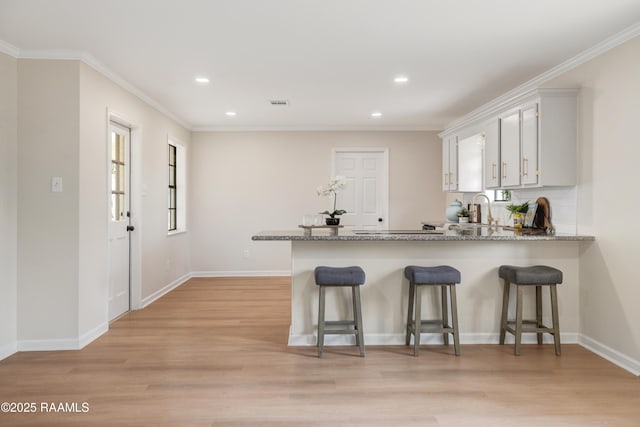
(563, 201)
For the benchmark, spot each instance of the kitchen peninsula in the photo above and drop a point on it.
(477, 251)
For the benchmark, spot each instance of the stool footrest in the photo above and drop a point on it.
(537, 330)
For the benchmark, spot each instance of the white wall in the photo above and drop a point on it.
(47, 222)
(164, 258)
(608, 202)
(54, 251)
(246, 182)
(8, 203)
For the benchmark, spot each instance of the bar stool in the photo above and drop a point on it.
(335, 277)
(443, 276)
(538, 276)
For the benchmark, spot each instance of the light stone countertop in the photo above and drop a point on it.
(470, 232)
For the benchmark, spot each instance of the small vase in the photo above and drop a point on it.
(463, 219)
(332, 221)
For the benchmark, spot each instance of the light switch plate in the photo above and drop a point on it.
(56, 184)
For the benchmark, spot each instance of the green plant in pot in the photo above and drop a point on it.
(463, 215)
(336, 184)
(517, 212)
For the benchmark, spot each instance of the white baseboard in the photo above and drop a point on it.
(250, 273)
(161, 292)
(613, 356)
(89, 336)
(8, 350)
(48, 345)
(63, 344)
(398, 339)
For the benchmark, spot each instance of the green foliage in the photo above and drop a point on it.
(523, 208)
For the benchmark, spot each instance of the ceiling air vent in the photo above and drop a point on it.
(279, 102)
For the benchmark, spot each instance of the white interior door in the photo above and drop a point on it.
(366, 194)
(119, 224)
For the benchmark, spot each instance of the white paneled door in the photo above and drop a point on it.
(119, 220)
(366, 194)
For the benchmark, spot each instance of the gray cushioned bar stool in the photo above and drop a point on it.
(445, 277)
(340, 276)
(538, 276)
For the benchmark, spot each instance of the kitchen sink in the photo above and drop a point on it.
(390, 232)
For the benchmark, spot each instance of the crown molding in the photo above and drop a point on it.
(315, 129)
(502, 101)
(91, 61)
(9, 49)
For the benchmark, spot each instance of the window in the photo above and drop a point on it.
(119, 202)
(173, 214)
(177, 187)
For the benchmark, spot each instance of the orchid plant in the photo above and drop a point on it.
(335, 184)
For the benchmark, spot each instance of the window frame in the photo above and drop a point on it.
(176, 187)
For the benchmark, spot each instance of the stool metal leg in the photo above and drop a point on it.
(445, 313)
(539, 323)
(417, 322)
(358, 319)
(505, 310)
(321, 321)
(556, 322)
(412, 288)
(519, 293)
(454, 318)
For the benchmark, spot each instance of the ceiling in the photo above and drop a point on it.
(333, 60)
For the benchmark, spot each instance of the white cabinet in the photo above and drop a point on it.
(537, 142)
(470, 163)
(529, 145)
(492, 153)
(450, 163)
(510, 149)
(462, 162)
(529, 141)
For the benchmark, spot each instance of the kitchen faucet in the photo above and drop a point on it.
(489, 216)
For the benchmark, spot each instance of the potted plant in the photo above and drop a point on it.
(518, 212)
(331, 189)
(463, 216)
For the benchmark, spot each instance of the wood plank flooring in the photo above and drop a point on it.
(214, 353)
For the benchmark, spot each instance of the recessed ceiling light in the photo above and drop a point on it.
(401, 79)
(201, 80)
(231, 113)
(376, 114)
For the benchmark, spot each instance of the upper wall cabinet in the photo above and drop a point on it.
(462, 163)
(450, 163)
(492, 153)
(470, 163)
(538, 141)
(529, 141)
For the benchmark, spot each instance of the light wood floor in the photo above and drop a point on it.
(214, 353)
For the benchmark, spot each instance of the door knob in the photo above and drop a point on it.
(130, 228)
(380, 219)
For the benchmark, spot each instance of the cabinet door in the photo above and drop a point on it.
(529, 166)
(445, 164)
(510, 149)
(453, 163)
(470, 163)
(492, 154)
(450, 163)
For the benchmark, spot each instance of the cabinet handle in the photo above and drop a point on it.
(493, 171)
(504, 170)
(525, 166)
(446, 179)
